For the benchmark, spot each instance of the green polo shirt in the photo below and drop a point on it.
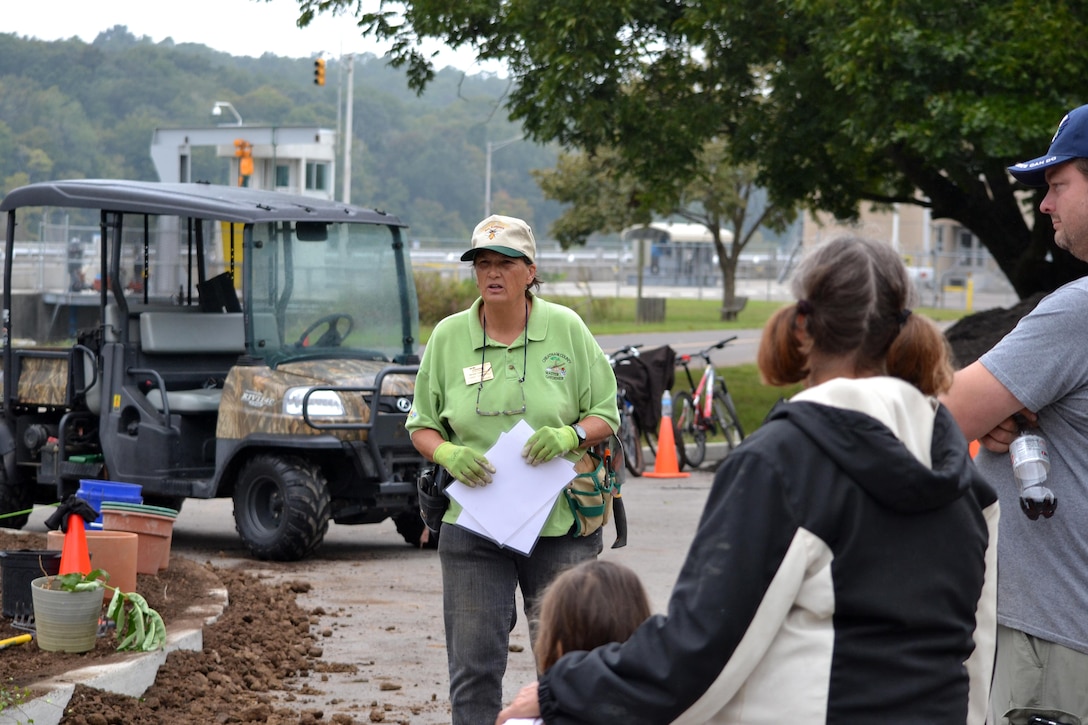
(567, 377)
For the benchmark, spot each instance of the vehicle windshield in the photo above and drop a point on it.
(320, 290)
(316, 289)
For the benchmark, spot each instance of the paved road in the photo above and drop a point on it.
(740, 351)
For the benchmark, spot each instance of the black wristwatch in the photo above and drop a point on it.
(581, 433)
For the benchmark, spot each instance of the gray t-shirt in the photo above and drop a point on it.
(1043, 564)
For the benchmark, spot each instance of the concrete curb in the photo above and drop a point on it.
(130, 677)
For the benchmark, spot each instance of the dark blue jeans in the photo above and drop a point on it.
(479, 580)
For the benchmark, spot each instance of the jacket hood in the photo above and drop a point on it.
(872, 456)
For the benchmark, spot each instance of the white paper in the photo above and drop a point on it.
(512, 509)
(524, 539)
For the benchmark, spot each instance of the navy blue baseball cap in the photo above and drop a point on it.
(1070, 142)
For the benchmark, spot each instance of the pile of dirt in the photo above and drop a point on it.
(972, 336)
(171, 593)
(257, 658)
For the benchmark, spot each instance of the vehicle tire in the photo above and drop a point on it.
(410, 525)
(630, 438)
(281, 507)
(690, 439)
(726, 420)
(14, 497)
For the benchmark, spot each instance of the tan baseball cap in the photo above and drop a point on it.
(505, 235)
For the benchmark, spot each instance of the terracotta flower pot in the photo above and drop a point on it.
(155, 533)
(114, 552)
(65, 621)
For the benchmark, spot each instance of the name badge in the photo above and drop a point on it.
(478, 373)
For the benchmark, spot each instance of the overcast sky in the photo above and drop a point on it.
(238, 27)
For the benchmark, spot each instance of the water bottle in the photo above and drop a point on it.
(666, 404)
(1030, 465)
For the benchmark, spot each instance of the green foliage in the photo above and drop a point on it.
(139, 627)
(834, 102)
(721, 195)
(439, 296)
(12, 698)
(77, 582)
(69, 109)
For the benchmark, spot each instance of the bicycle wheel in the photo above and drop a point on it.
(726, 422)
(690, 437)
(631, 440)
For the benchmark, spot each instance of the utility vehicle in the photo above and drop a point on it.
(233, 343)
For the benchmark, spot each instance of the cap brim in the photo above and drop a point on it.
(505, 251)
(1033, 173)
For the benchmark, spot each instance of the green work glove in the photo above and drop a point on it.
(547, 443)
(464, 464)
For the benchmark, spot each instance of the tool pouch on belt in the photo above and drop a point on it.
(589, 494)
(430, 489)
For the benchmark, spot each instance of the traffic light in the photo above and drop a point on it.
(319, 71)
(244, 151)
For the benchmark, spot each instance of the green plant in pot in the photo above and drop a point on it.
(66, 620)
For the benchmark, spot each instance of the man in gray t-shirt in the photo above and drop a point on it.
(1041, 370)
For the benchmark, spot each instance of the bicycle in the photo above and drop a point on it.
(628, 433)
(707, 410)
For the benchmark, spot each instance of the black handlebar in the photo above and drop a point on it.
(705, 352)
(627, 351)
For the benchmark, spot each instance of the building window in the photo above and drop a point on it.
(969, 251)
(317, 176)
(283, 176)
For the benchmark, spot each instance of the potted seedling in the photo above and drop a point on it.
(68, 607)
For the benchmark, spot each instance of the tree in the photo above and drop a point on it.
(719, 196)
(835, 102)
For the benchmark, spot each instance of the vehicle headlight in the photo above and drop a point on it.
(322, 404)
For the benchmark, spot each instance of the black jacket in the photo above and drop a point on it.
(834, 577)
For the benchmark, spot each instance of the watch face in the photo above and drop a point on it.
(580, 431)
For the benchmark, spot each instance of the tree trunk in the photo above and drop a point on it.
(994, 212)
(731, 304)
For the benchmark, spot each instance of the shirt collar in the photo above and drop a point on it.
(538, 322)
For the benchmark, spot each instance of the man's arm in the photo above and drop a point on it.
(983, 407)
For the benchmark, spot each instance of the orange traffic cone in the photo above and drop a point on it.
(74, 556)
(666, 465)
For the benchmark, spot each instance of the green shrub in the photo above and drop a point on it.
(440, 297)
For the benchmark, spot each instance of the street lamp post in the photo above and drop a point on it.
(493, 146)
(217, 110)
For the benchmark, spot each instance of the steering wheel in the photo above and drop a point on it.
(331, 337)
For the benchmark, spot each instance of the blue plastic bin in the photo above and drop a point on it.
(95, 492)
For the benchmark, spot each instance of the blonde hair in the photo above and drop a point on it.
(593, 603)
(854, 298)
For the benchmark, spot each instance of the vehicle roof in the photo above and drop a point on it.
(203, 201)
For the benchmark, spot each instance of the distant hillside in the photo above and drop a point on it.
(69, 109)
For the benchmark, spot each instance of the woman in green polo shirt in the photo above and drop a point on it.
(511, 356)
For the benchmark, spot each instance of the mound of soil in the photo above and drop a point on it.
(256, 659)
(974, 335)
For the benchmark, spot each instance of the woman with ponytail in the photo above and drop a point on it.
(844, 567)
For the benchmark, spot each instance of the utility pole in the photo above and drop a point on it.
(350, 94)
(492, 147)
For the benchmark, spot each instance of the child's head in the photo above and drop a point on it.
(590, 604)
(853, 300)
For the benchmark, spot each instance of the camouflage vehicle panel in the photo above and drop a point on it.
(257, 396)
